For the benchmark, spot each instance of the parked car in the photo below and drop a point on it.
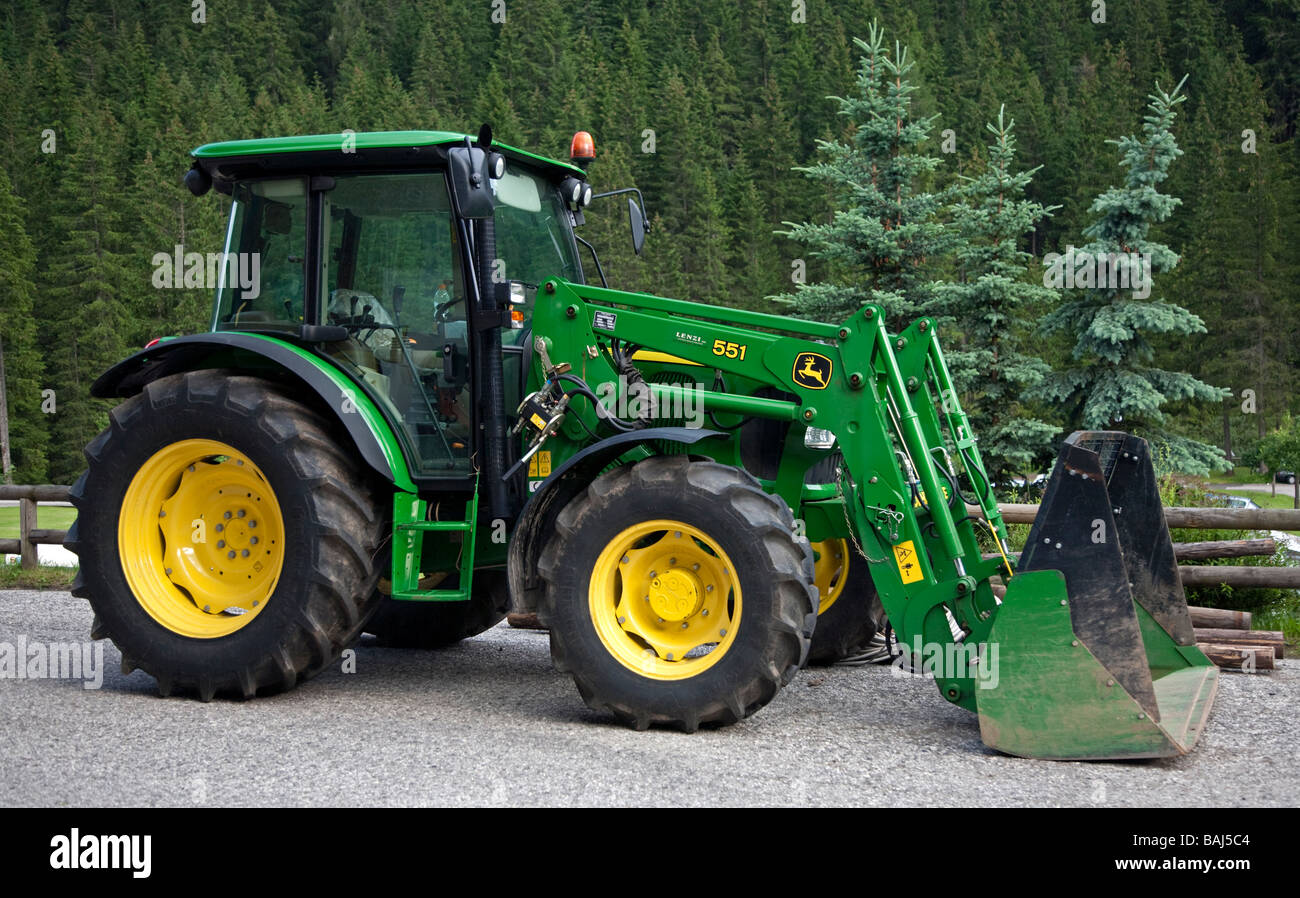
(1232, 501)
(1284, 476)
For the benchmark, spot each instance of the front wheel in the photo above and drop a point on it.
(677, 594)
(226, 536)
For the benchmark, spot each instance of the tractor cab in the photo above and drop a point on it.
(362, 257)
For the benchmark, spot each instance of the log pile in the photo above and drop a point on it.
(1227, 639)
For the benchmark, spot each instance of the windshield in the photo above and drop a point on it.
(534, 239)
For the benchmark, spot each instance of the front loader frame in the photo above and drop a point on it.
(887, 398)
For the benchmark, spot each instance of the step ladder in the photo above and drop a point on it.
(409, 527)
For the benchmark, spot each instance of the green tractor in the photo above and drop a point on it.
(412, 413)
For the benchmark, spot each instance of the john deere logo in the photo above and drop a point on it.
(812, 371)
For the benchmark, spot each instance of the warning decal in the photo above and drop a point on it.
(909, 567)
(540, 464)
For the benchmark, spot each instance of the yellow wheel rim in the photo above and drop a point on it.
(830, 571)
(201, 538)
(665, 600)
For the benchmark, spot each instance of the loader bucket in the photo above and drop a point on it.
(1096, 653)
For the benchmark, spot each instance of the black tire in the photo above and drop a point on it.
(434, 625)
(773, 571)
(854, 615)
(331, 528)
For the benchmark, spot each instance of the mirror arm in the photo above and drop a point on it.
(639, 197)
(595, 258)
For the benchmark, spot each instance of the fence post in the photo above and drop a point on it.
(27, 549)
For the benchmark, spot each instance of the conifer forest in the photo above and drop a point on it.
(983, 162)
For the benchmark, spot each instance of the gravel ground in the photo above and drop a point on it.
(490, 723)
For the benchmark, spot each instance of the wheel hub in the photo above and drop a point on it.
(665, 599)
(676, 594)
(201, 538)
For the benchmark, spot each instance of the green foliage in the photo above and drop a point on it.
(1280, 449)
(23, 366)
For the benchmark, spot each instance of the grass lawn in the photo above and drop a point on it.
(46, 576)
(1242, 475)
(48, 517)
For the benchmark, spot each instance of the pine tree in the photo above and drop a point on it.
(1112, 383)
(28, 434)
(986, 316)
(881, 243)
(86, 324)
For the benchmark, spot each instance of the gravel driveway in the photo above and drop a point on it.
(490, 723)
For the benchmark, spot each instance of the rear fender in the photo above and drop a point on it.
(343, 398)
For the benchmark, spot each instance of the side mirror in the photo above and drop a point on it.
(637, 219)
(470, 171)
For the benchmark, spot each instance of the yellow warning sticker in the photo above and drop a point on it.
(909, 567)
(537, 421)
(540, 464)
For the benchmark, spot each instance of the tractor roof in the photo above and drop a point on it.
(381, 148)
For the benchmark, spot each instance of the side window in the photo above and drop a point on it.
(264, 278)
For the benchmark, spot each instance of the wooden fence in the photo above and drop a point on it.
(29, 535)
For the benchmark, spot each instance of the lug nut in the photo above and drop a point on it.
(221, 527)
(244, 553)
(221, 544)
(230, 554)
(226, 516)
(241, 513)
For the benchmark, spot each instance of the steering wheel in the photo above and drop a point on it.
(445, 309)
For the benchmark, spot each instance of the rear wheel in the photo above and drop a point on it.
(226, 537)
(677, 594)
(849, 611)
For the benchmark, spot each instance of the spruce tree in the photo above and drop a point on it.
(23, 368)
(882, 242)
(1111, 383)
(984, 318)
